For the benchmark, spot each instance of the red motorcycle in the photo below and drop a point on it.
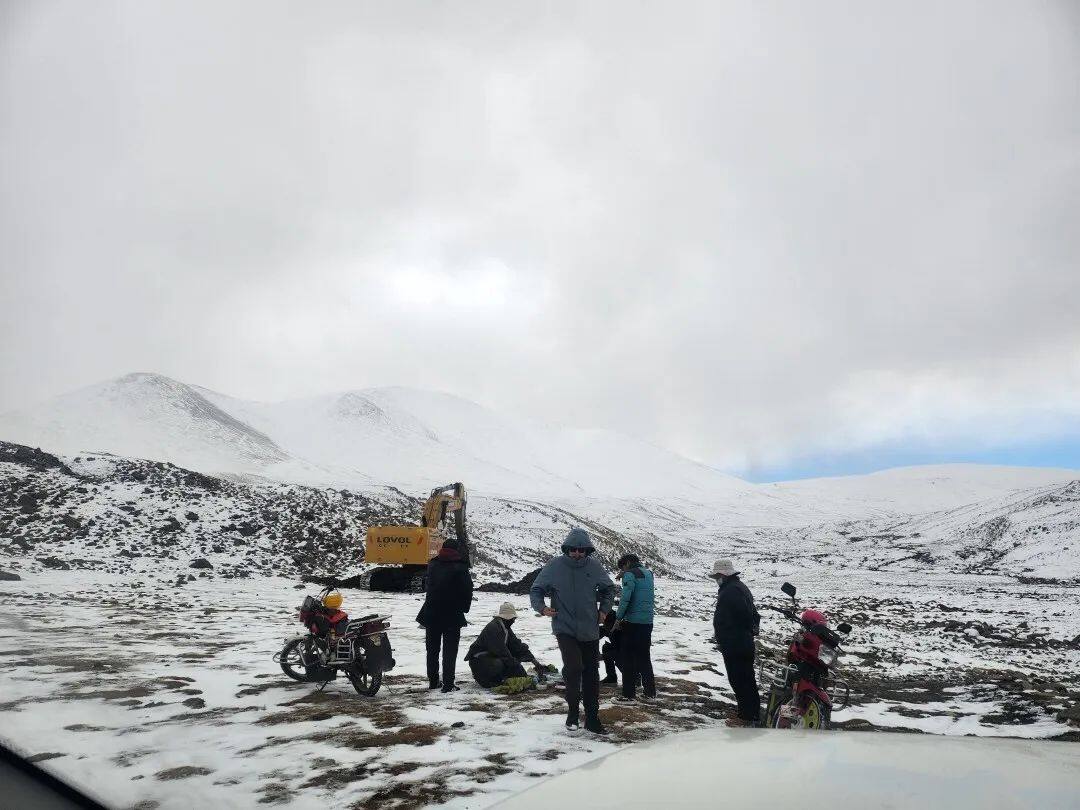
(360, 648)
(801, 691)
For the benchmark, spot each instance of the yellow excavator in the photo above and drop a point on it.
(410, 548)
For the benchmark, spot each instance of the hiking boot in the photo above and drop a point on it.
(594, 725)
(610, 679)
(624, 699)
(572, 721)
(451, 688)
(436, 685)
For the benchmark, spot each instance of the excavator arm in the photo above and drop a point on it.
(448, 499)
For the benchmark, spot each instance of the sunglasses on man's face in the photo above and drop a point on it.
(576, 551)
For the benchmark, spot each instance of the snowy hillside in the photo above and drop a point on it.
(918, 490)
(418, 439)
(107, 512)
(152, 519)
(410, 438)
(965, 623)
(144, 416)
(1033, 532)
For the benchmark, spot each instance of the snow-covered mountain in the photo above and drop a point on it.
(107, 512)
(920, 490)
(145, 416)
(416, 439)
(399, 436)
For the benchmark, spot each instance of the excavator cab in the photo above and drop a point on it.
(412, 547)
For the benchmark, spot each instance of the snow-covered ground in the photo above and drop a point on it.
(145, 691)
(151, 682)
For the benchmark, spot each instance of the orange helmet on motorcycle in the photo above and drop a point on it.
(332, 600)
(813, 617)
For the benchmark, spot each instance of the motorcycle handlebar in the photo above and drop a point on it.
(788, 612)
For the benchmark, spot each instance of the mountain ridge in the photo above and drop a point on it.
(408, 437)
(415, 439)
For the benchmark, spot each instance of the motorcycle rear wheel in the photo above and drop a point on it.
(365, 683)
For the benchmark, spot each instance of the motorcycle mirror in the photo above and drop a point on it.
(844, 628)
(789, 589)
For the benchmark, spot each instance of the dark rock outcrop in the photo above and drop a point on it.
(520, 587)
(31, 457)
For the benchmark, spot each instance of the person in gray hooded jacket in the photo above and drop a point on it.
(581, 595)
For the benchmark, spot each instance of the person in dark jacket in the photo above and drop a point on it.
(635, 619)
(581, 595)
(735, 623)
(497, 653)
(610, 649)
(448, 599)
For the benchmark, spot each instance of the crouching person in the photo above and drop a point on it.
(498, 655)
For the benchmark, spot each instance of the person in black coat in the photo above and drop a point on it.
(448, 599)
(735, 623)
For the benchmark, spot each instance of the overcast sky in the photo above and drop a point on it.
(771, 236)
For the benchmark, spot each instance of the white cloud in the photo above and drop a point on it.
(743, 231)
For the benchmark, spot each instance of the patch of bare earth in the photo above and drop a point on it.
(410, 795)
(417, 735)
(183, 772)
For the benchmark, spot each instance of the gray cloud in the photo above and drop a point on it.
(744, 231)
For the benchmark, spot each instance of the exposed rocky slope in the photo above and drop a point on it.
(103, 511)
(110, 513)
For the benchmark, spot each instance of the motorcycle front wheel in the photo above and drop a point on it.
(816, 715)
(812, 714)
(291, 659)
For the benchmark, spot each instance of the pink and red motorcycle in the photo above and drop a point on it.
(801, 692)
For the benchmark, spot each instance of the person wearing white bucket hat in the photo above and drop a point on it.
(722, 568)
(497, 655)
(735, 623)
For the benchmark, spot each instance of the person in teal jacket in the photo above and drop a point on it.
(635, 620)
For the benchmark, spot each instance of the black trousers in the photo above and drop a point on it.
(581, 671)
(610, 653)
(489, 671)
(740, 672)
(448, 638)
(636, 644)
